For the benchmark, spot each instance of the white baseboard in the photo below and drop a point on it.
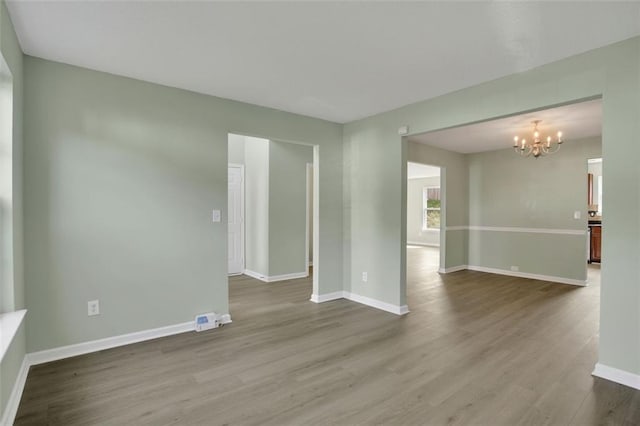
(62, 352)
(320, 298)
(374, 303)
(13, 403)
(452, 269)
(256, 275)
(419, 243)
(394, 309)
(550, 278)
(293, 276)
(274, 278)
(616, 375)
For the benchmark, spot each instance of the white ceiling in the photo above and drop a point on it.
(417, 171)
(575, 121)
(334, 60)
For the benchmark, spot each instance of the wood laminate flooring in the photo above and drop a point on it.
(476, 349)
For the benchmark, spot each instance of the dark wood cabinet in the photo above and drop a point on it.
(595, 243)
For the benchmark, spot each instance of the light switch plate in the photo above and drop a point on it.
(216, 215)
(576, 214)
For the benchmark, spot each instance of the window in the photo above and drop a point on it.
(431, 207)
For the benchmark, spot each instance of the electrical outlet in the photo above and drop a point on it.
(216, 216)
(93, 307)
(515, 268)
(576, 214)
(365, 277)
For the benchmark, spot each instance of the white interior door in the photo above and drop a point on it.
(236, 220)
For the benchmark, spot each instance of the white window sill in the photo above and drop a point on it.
(430, 230)
(9, 325)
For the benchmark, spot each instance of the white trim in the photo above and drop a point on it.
(308, 200)
(316, 220)
(256, 275)
(9, 325)
(284, 277)
(310, 263)
(452, 269)
(274, 278)
(404, 309)
(550, 278)
(419, 243)
(320, 298)
(374, 303)
(616, 375)
(11, 409)
(242, 224)
(378, 304)
(517, 229)
(62, 352)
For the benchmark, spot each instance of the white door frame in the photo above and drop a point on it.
(242, 249)
(308, 262)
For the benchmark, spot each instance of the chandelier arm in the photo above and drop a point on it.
(554, 148)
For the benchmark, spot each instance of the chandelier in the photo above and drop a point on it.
(537, 146)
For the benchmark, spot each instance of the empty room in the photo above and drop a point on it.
(319, 212)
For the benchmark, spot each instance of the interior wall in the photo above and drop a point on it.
(256, 207)
(375, 172)
(507, 191)
(287, 207)
(121, 177)
(415, 233)
(236, 149)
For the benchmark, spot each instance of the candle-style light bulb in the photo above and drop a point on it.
(523, 142)
(515, 141)
(559, 136)
(548, 141)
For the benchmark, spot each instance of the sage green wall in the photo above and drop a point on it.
(12, 360)
(415, 233)
(375, 172)
(236, 149)
(120, 180)
(256, 207)
(287, 207)
(454, 172)
(508, 191)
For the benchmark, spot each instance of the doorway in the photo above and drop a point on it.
(425, 216)
(271, 208)
(594, 203)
